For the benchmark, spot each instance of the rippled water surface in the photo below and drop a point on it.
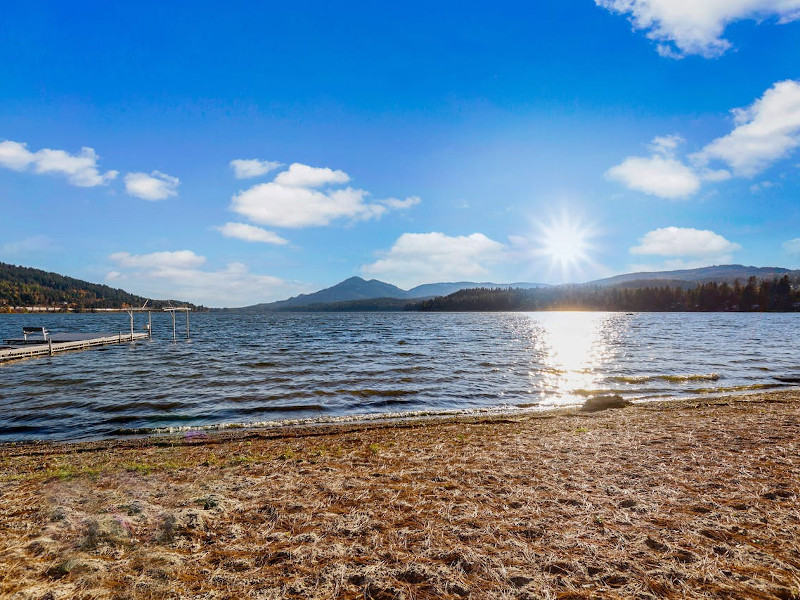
(252, 369)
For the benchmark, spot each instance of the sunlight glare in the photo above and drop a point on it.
(574, 346)
(566, 242)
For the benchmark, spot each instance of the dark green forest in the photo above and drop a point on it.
(366, 305)
(776, 295)
(24, 286)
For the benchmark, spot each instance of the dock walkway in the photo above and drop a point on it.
(16, 349)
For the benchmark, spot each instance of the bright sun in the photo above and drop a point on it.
(566, 243)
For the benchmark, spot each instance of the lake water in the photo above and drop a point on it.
(257, 369)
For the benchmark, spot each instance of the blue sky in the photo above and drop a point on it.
(239, 153)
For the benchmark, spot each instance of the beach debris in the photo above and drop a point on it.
(597, 403)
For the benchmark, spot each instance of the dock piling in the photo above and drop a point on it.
(172, 310)
(24, 348)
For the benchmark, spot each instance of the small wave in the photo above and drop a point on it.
(368, 393)
(670, 378)
(736, 388)
(598, 392)
(152, 418)
(286, 423)
(264, 364)
(154, 405)
(276, 408)
(17, 429)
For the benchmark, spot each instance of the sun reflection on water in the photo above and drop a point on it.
(571, 348)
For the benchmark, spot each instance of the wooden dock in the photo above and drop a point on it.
(17, 349)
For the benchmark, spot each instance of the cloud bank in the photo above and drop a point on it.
(684, 248)
(304, 196)
(179, 275)
(417, 258)
(80, 169)
(682, 27)
(765, 132)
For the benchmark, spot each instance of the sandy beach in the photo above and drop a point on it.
(683, 499)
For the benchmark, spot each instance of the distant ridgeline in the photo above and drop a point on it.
(26, 287)
(778, 294)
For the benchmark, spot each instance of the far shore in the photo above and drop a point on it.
(689, 498)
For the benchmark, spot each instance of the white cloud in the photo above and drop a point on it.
(310, 177)
(766, 131)
(79, 169)
(715, 175)
(684, 27)
(687, 246)
(417, 258)
(657, 175)
(293, 199)
(179, 259)
(177, 275)
(243, 168)
(792, 246)
(280, 206)
(666, 144)
(14, 155)
(156, 186)
(251, 233)
(401, 204)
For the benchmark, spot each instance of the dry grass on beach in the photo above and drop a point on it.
(689, 499)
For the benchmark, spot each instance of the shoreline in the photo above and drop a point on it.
(379, 419)
(679, 498)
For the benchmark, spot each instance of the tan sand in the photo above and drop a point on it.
(689, 499)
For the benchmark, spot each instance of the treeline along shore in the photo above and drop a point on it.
(777, 295)
(24, 289)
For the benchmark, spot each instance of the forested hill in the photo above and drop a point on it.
(752, 295)
(24, 286)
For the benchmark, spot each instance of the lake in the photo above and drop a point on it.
(284, 367)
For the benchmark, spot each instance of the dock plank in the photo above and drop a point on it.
(68, 342)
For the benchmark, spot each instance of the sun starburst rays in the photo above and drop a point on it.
(567, 244)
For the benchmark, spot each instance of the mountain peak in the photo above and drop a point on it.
(350, 281)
